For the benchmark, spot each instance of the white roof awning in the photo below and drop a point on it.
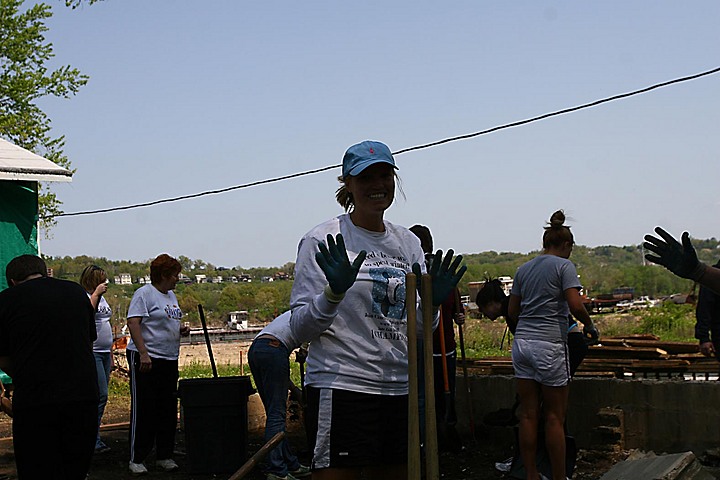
(16, 163)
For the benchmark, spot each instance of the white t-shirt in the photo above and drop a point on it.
(104, 341)
(160, 321)
(359, 344)
(541, 284)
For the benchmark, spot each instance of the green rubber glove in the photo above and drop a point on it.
(679, 259)
(445, 275)
(333, 261)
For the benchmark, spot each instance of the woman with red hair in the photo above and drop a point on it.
(154, 321)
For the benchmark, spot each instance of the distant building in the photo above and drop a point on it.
(201, 278)
(238, 320)
(144, 280)
(217, 279)
(123, 279)
(281, 276)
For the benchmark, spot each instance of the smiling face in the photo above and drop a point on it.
(373, 189)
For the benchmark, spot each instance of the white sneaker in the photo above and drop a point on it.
(167, 464)
(137, 468)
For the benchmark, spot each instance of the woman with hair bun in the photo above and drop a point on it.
(545, 290)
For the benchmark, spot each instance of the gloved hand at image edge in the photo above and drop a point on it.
(679, 259)
(591, 333)
(333, 261)
(445, 275)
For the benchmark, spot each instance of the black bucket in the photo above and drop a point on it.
(215, 414)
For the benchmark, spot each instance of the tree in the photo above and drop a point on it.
(24, 79)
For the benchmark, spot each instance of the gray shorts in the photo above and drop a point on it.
(542, 361)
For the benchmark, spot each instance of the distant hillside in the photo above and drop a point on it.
(601, 270)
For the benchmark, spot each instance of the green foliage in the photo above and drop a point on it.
(76, 3)
(601, 270)
(670, 322)
(483, 338)
(204, 370)
(25, 79)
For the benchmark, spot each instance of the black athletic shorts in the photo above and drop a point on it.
(353, 429)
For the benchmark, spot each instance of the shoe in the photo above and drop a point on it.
(301, 472)
(272, 476)
(137, 468)
(167, 464)
(504, 466)
(100, 447)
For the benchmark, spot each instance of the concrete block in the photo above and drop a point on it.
(678, 466)
(611, 417)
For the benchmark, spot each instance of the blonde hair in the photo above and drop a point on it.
(91, 277)
(557, 233)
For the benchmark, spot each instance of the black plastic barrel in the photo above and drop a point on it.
(215, 414)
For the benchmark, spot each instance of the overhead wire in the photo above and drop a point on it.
(398, 152)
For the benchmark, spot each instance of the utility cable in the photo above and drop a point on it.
(404, 150)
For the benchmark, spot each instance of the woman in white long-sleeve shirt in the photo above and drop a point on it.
(349, 296)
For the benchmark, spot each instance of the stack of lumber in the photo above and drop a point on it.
(627, 356)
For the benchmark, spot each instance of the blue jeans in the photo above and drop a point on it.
(104, 367)
(270, 367)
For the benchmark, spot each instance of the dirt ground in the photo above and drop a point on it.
(475, 461)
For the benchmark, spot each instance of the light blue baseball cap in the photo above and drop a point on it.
(360, 156)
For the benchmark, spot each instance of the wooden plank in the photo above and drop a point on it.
(625, 352)
(669, 347)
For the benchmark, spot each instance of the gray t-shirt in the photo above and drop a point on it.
(541, 284)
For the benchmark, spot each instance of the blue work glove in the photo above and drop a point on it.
(445, 276)
(591, 333)
(679, 259)
(333, 261)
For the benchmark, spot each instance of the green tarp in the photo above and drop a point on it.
(18, 222)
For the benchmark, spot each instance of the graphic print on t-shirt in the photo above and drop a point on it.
(173, 312)
(388, 292)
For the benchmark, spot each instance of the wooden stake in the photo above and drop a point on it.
(432, 466)
(414, 460)
(255, 459)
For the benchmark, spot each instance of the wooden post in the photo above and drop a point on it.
(414, 459)
(432, 465)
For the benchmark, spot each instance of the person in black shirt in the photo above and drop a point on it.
(47, 328)
(707, 326)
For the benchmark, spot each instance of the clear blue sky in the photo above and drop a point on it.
(187, 96)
